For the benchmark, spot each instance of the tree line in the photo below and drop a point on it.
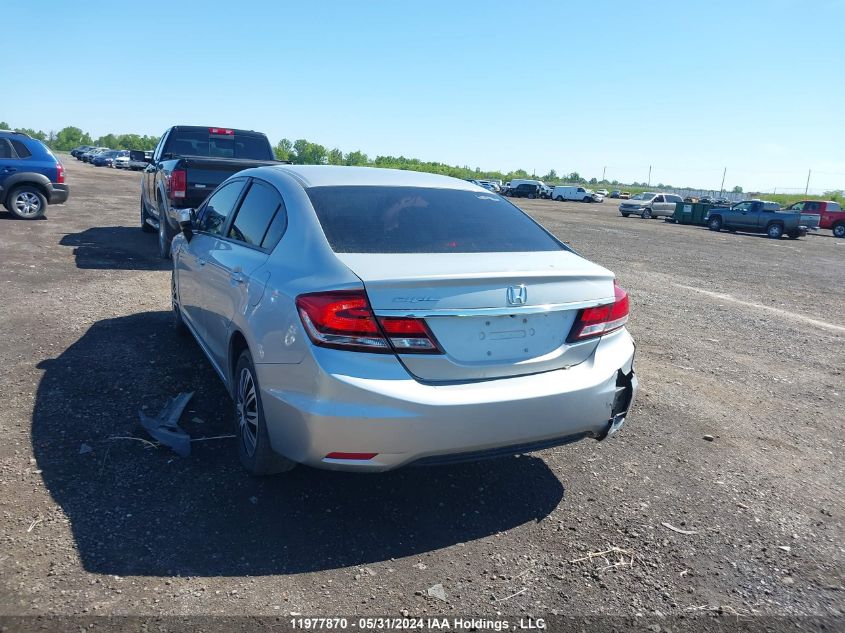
(69, 137)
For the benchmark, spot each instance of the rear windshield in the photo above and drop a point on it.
(203, 143)
(359, 219)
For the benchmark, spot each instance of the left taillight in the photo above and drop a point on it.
(600, 320)
(60, 174)
(343, 319)
(178, 183)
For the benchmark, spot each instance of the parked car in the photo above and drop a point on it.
(650, 205)
(706, 200)
(625, 195)
(525, 190)
(365, 319)
(87, 157)
(602, 192)
(546, 191)
(122, 160)
(186, 165)
(76, 151)
(31, 177)
(761, 216)
(578, 194)
(722, 201)
(106, 159)
(831, 215)
(615, 193)
(690, 199)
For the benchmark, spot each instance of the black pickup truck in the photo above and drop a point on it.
(186, 166)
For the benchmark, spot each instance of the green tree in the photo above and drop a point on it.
(737, 189)
(574, 177)
(593, 181)
(335, 157)
(356, 158)
(283, 149)
(70, 137)
(552, 175)
(307, 153)
(5, 126)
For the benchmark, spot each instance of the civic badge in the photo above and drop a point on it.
(517, 295)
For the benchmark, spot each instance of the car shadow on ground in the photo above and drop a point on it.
(115, 247)
(137, 510)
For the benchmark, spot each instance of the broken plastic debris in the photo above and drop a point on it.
(165, 426)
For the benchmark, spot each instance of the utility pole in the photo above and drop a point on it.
(723, 182)
(807, 188)
(603, 171)
(649, 176)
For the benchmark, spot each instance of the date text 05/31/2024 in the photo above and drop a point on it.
(410, 623)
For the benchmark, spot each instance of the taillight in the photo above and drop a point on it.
(60, 174)
(178, 183)
(592, 322)
(343, 319)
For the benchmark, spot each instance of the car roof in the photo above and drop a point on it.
(338, 175)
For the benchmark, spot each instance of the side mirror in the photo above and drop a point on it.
(138, 154)
(186, 223)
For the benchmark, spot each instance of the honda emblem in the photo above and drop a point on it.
(517, 295)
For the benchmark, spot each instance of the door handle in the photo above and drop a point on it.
(238, 278)
(9, 170)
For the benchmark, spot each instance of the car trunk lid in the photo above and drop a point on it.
(493, 314)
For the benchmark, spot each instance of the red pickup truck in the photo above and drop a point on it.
(832, 215)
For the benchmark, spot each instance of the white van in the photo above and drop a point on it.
(580, 194)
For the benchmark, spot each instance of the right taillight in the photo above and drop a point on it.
(343, 319)
(592, 322)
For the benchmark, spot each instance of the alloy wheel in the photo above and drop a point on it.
(27, 204)
(246, 408)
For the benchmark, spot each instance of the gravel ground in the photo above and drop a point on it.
(735, 441)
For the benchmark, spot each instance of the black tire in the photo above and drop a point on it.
(165, 236)
(145, 226)
(530, 196)
(839, 230)
(774, 231)
(559, 198)
(625, 215)
(646, 214)
(587, 199)
(715, 224)
(26, 202)
(793, 235)
(254, 449)
(178, 321)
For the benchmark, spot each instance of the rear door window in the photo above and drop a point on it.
(365, 219)
(812, 207)
(219, 207)
(5, 149)
(260, 206)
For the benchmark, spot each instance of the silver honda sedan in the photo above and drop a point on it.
(365, 319)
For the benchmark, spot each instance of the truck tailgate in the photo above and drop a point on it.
(204, 174)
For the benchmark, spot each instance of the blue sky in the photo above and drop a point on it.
(687, 87)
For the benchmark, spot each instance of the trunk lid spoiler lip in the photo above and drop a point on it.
(492, 311)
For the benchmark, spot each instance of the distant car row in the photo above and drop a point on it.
(107, 157)
(752, 216)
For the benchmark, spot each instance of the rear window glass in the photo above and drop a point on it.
(202, 143)
(358, 219)
(21, 149)
(833, 206)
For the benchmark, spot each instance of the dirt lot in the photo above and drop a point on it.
(740, 338)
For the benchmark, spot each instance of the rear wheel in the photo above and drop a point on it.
(646, 214)
(715, 224)
(254, 449)
(530, 196)
(625, 215)
(178, 321)
(26, 203)
(164, 234)
(839, 230)
(774, 231)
